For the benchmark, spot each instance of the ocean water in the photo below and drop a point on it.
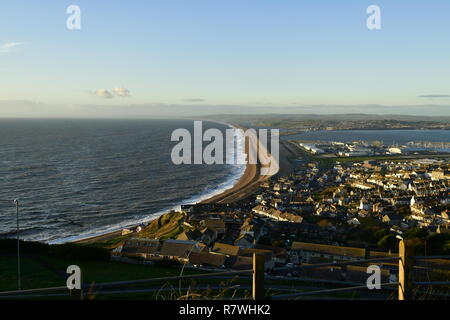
(77, 178)
(386, 136)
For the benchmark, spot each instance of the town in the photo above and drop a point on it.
(349, 211)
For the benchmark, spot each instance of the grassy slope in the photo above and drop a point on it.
(166, 226)
(36, 275)
(33, 275)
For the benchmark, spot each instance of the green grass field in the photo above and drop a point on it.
(33, 275)
(50, 272)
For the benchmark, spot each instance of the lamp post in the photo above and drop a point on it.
(16, 202)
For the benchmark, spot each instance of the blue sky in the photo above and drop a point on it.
(225, 52)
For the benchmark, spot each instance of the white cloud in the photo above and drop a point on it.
(122, 92)
(103, 93)
(9, 46)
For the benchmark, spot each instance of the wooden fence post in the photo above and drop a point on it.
(405, 266)
(258, 277)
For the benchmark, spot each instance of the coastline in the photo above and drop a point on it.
(241, 189)
(247, 184)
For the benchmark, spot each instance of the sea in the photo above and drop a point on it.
(80, 178)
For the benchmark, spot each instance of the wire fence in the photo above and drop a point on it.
(259, 289)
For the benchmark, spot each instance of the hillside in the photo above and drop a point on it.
(167, 226)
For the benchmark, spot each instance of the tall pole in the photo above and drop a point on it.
(405, 270)
(18, 244)
(258, 277)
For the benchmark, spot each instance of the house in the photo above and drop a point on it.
(289, 217)
(392, 219)
(252, 228)
(180, 249)
(259, 198)
(362, 186)
(307, 251)
(138, 247)
(277, 214)
(240, 263)
(207, 259)
(194, 235)
(226, 249)
(215, 224)
(205, 235)
(244, 241)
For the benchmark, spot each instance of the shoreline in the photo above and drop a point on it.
(247, 184)
(241, 189)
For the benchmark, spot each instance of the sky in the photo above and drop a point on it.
(219, 53)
